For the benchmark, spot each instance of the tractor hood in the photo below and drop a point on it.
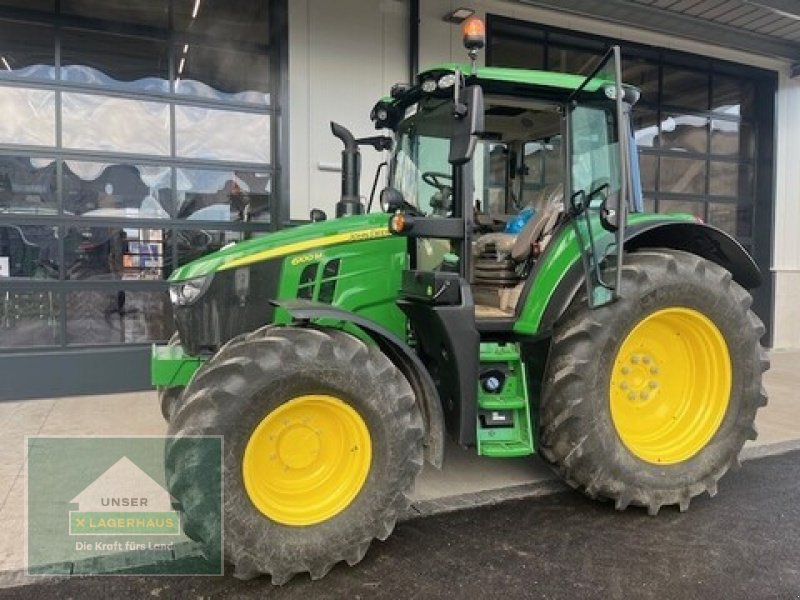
(285, 242)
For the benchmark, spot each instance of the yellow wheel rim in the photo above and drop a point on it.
(307, 460)
(670, 385)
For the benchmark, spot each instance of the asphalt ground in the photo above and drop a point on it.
(744, 543)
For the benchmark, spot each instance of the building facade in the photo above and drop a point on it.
(134, 134)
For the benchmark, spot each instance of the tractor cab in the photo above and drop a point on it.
(489, 167)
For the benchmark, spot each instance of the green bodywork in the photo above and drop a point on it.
(369, 277)
(510, 402)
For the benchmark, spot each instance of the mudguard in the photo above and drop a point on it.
(690, 236)
(399, 353)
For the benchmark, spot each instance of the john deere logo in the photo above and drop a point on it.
(123, 500)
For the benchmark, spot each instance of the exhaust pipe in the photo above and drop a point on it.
(350, 202)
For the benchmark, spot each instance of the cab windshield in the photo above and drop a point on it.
(519, 157)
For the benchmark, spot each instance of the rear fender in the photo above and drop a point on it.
(690, 236)
(401, 356)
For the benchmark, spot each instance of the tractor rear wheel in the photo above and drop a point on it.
(649, 400)
(323, 441)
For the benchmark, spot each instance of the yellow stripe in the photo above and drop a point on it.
(339, 238)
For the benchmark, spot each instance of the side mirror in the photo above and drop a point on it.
(318, 215)
(391, 200)
(609, 218)
(469, 122)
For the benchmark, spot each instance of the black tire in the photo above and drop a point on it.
(245, 381)
(168, 396)
(577, 433)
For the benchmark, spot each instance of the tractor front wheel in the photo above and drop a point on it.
(649, 400)
(323, 441)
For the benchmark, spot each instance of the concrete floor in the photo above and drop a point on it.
(138, 414)
(740, 545)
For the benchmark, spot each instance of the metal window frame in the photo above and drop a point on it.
(276, 110)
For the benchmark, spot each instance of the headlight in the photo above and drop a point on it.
(186, 292)
(446, 81)
(429, 85)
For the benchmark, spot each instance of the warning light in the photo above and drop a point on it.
(398, 222)
(474, 34)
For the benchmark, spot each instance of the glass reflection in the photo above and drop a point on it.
(27, 51)
(222, 134)
(28, 116)
(93, 189)
(102, 253)
(114, 61)
(730, 179)
(682, 175)
(94, 122)
(117, 317)
(222, 74)
(29, 319)
(210, 195)
(27, 185)
(28, 251)
(684, 133)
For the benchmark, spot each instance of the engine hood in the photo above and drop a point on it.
(288, 241)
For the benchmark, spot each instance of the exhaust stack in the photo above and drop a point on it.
(350, 202)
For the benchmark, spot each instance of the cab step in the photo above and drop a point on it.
(504, 420)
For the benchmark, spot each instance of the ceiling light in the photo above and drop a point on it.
(183, 64)
(459, 15)
(5, 63)
(196, 8)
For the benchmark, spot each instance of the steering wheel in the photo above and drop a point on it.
(432, 179)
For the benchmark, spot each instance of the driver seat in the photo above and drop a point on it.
(498, 256)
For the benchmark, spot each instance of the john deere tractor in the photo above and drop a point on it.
(335, 357)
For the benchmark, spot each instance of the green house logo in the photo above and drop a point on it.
(124, 500)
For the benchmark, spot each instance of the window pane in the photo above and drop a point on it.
(730, 179)
(29, 116)
(644, 75)
(684, 132)
(222, 134)
(117, 317)
(732, 138)
(153, 13)
(569, 60)
(732, 96)
(29, 319)
(645, 127)
(234, 22)
(696, 208)
(682, 87)
(209, 195)
(28, 251)
(94, 189)
(516, 53)
(647, 171)
(222, 74)
(27, 50)
(27, 185)
(114, 61)
(103, 253)
(736, 219)
(682, 175)
(92, 122)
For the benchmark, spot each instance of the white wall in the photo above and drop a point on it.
(344, 55)
(786, 243)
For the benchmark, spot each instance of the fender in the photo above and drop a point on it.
(399, 353)
(690, 236)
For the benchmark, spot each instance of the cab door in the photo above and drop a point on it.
(599, 175)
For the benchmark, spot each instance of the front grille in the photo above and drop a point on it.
(236, 301)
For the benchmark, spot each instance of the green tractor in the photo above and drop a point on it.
(335, 357)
